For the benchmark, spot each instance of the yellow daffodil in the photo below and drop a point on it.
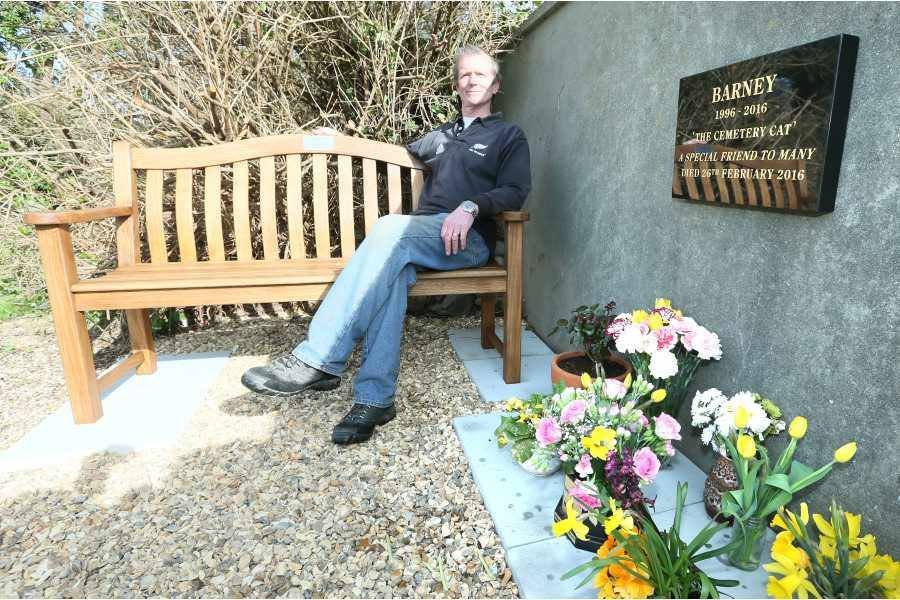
(797, 428)
(746, 447)
(618, 518)
(570, 523)
(662, 303)
(786, 587)
(658, 395)
(514, 404)
(788, 558)
(777, 521)
(655, 321)
(600, 442)
(639, 316)
(586, 381)
(741, 417)
(845, 452)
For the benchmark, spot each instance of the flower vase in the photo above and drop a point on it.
(542, 462)
(722, 479)
(596, 534)
(749, 535)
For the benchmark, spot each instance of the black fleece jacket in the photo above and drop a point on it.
(487, 163)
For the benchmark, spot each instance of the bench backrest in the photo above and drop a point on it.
(769, 193)
(268, 198)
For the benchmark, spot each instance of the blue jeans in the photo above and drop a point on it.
(368, 301)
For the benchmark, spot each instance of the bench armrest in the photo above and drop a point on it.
(512, 216)
(67, 217)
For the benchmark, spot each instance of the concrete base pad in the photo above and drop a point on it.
(142, 411)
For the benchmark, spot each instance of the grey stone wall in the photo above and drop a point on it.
(806, 307)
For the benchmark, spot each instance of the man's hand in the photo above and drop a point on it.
(455, 230)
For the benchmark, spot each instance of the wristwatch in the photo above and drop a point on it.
(470, 207)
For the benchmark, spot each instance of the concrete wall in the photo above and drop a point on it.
(806, 307)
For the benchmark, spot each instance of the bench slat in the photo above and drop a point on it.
(345, 205)
(184, 215)
(416, 182)
(267, 207)
(156, 235)
(779, 194)
(212, 213)
(294, 202)
(241, 210)
(320, 205)
(723, 185)
(395, 199)
(370, 194)
(691, 183)
(259, 273)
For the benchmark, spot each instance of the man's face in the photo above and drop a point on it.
(476, 83)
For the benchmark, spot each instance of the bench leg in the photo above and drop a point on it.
(488, 306)
(71, 328)
(142, 339)
(512, 339)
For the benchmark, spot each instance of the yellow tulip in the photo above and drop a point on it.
(586, 380)
(797, 428)
(662, 303)
(658, 395)
(746, 447)
(639, 316)
(741, 417)
(845, 452)
(627, 382)
(655, 322)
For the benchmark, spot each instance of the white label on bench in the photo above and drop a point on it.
(318, 142)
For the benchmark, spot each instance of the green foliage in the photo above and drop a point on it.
(587, 328)
(13, 303)
(663, 559)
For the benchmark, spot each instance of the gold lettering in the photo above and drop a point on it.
(744, 89)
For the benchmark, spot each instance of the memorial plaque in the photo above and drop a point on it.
(767, 133)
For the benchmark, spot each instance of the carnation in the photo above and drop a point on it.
(663, 364)
(684, 325)
(573, 412)
(666, 338)
(707, 344)
(631, 339)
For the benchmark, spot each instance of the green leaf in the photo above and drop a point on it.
(780, 481)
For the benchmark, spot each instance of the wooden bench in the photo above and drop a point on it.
(164, 261)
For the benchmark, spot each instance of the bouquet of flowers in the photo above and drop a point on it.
(714, 413)
(518, 432)
(607, 446)
(836, 563)
(665, 348)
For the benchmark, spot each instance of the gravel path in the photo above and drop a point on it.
(254, 500)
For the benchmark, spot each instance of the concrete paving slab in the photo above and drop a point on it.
(520, 504)
(663, 487)
(467, 343)
(139, 412)
(487, 374)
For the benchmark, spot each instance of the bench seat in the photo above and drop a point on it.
(178, 284)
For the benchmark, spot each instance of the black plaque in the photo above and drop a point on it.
(767, 133)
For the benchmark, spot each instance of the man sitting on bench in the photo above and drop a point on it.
(477, 166)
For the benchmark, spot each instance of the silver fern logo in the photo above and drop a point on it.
(476, 148)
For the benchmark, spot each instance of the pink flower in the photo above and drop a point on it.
(584, 496)
(666, 338)
(670, 449)
(667, 428)
(584, 467)
(646, 465)
(705, 342)
(614, 389)
(616, 326)
(684, 325)
(631, 339)
(573, 412)
(547, 432)
(643, 420)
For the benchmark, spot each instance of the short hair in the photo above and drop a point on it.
(471, 50)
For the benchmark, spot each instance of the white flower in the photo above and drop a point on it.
(706, 436)
(759, 421)
(631, 339)
(704, 342)
(663, 364)
(705, 406)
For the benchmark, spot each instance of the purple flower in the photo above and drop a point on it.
(584, 467)
(646, 465)
(573, 412)
(667, 428)
(548, 432)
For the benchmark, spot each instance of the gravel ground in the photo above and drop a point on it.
(254, 500)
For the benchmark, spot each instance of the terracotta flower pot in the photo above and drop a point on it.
(574, 379)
